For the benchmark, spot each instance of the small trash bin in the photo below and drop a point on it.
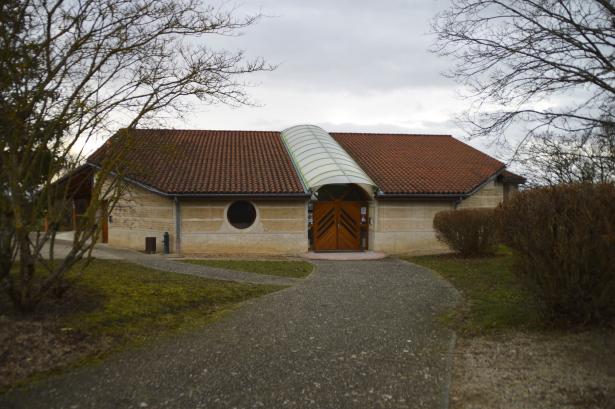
(150, 245)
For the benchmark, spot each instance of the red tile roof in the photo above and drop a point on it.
(255, 162)
(195, 161)
(419, 164)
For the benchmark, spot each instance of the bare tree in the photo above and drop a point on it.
(547, 64)
(553, 159)
(72, 70)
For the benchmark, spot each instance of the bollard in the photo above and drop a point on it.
(165, 242)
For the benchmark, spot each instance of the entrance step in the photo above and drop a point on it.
(345, 255)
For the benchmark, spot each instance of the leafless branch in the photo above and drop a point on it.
(72, 70)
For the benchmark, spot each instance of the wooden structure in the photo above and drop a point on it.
(340, 219)
(76, 190)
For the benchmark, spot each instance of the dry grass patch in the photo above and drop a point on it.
(535, 370)
(507, 356)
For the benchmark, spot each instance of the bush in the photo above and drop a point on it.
(564, 241)
(470, 232)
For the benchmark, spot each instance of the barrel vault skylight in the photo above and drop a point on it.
(321, 161)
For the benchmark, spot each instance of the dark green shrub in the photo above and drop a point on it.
(564, 241)
(470, 232)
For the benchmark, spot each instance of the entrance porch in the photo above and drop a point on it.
(339, 219)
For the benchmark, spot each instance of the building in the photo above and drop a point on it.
(244, 192)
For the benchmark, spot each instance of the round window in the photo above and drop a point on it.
(241, 214)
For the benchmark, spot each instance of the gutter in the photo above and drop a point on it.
(178, 226)
(238, 195)
(442, 196)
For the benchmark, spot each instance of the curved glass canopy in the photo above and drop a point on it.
(321, 161)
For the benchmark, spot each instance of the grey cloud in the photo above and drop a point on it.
(376, 128)
(353, 46)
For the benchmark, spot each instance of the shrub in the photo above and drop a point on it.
(470, 232)
(564, 240)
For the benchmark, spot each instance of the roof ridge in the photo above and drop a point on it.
(199, 130)
(278, 131)
(393, 134)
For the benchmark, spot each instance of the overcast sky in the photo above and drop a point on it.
(345, 65)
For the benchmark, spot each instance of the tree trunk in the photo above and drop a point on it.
(23, 296)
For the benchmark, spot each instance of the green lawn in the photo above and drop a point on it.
(116, 304)
(295, 269)
(494, 299)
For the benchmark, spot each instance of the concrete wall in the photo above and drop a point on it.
(280, 228)
(139, 214)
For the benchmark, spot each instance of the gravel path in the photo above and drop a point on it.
(352, 335)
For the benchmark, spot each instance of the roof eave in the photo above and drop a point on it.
(211, 195)
(514, 179)
(486, 181)
(443, 196)
(242, 195)
(438, 196)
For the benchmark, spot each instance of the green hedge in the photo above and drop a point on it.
(469, 232)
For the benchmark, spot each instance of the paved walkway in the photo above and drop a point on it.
(159, 262)
(352, 335)
(345, 255)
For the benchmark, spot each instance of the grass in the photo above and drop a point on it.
(295, 269)
(126, 305)
(494, 299)
(139, 302)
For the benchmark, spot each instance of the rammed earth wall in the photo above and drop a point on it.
(406, 226)
(280, 228)
(139, 214)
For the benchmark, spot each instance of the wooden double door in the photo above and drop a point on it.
(336, 226)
